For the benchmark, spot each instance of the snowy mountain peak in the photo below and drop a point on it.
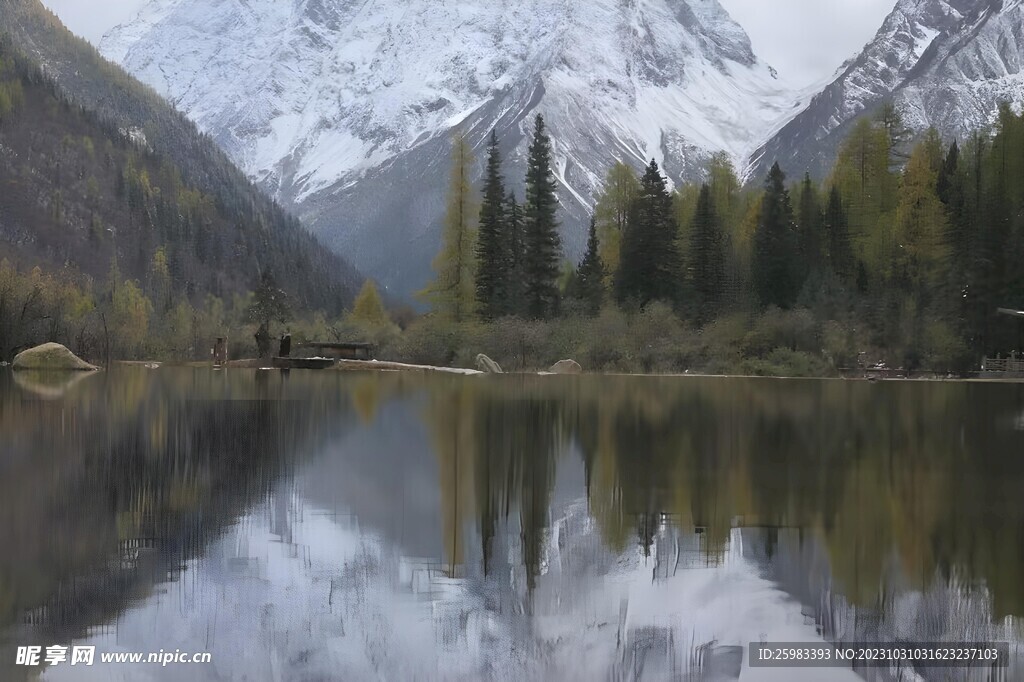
(942, 63)
(327, 101)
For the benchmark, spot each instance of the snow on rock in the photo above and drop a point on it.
(943, 63)
(343, 108)
(331, 104)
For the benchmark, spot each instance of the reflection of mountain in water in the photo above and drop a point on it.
(945, 610)
(888, 512)
(383, 473)
(525, 527)
(111, 490)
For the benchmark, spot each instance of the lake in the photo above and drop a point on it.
(345, 526)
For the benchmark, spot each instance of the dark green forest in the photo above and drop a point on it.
(903, 255)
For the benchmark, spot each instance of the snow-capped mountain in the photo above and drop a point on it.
(344, 108)
(942, 63)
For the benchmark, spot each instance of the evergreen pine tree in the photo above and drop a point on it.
(995, 250)
(707, 258)
(840, 253)
(983, 244)
(774, 244)
(514, 238)
(649, 262)
(809, 229)
(950, 188)
(492, 249)
(542, 252)
(589, 279)
(946, 183)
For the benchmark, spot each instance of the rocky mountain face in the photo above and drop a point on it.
(942, 63)
(343, 109)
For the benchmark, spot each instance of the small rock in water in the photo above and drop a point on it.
(485, 364)
(566, 367)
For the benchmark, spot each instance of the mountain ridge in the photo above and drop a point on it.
(344, 110)
(340, 103)
(941, 63)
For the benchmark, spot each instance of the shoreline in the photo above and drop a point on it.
(390, 366)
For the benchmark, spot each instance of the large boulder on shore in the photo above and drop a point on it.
(485, 364)
(566, 367)
(50, 356)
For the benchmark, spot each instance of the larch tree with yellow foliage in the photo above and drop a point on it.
(368, 307)
(452, 294)
(621, 188)
(920, 251)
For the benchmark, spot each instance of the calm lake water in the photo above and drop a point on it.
(350, 526)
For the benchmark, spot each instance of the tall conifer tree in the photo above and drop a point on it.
(453, 293)
(542, 253)
(493, 248)
(840, 252)
(649, 265)
(809, 228)
(920, 249)
(514, 237)
(590, 274)
(869, 190)
(707, 258)
(775, 244)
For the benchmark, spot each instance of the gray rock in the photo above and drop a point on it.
(50, 356)
(485, 364)
(566, 367)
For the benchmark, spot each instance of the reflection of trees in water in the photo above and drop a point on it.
(885, 486)
(496, 459)
(133, 461)
(899, 483)
(920, 473)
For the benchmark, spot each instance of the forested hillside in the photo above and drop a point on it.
(102, 184)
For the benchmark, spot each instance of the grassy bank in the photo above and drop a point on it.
(652, 340)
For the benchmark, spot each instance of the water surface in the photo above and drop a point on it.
(328, 525)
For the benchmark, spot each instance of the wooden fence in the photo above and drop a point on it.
(1002, 365)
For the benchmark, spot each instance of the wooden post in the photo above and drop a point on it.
(220, 351)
